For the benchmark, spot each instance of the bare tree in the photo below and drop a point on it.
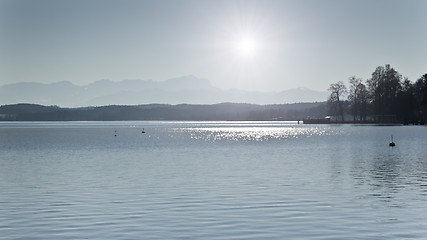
(362, 101)
(337, 90)
(353, 97)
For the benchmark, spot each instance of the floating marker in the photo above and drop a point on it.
(392, 144)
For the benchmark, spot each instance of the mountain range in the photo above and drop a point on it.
(187, 89)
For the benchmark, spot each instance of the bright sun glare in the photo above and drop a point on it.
(246, 46)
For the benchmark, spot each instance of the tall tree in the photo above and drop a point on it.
(353, 96)
(424, 91)
(406, 103)
(420, 91)
(362, 101)
(384, 86)
(337, 90)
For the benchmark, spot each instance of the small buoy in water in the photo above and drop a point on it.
(392, 144)
(143, 131)
(115, 133)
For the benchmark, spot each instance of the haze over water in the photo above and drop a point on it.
(211, 180)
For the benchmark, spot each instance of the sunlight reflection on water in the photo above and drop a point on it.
(256, 132)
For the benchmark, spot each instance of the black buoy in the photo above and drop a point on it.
(115, 133)
(392, 144)
(143, 131)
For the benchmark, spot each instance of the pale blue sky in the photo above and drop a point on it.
(300, 43)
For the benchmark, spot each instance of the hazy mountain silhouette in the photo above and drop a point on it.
(187, 89)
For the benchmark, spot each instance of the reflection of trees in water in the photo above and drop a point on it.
(384, 177)
(389, 177)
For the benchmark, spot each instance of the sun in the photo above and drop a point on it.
(246, 46)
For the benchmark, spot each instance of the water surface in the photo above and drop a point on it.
(211, 180)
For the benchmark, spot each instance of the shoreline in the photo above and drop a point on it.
(328, 121)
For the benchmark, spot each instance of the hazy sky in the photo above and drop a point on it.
(261, 45)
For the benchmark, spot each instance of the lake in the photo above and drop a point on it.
(211, 180)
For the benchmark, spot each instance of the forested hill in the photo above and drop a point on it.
(218, 112)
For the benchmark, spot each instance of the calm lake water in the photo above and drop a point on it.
(211, 180)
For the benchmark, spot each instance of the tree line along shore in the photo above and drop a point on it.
(385, 97)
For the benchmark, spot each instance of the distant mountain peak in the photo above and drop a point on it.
(185, 89)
